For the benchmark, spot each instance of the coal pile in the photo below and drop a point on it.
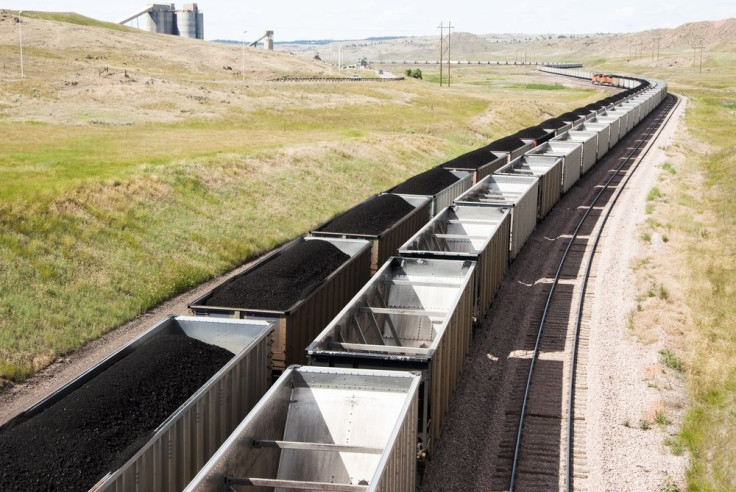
(470, 160)
(581, 112)
(532, 132)
(371, 217)
(506, 144)
(553, 123)
(536, 133)
(280, 281)
(427, 183)
(97, 428)
(569, 116)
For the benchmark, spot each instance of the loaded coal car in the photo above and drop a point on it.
(555, 125)
(472, 233)
(584, 112)
(479, 162)
(511, 146)
(548, 168)
(518, 193)
(323, 429)
(414, 315)
(440, 184)
(299, 287)
(386, 220)
(147, 417)
(535, 134)
(571, 117)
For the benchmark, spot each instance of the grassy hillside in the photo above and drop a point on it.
(136, 165)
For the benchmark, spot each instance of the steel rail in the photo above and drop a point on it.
(517, 447)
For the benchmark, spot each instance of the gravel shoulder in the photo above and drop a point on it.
(628, 386)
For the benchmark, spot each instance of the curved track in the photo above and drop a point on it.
(529, 468)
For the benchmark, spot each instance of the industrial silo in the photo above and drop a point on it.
(200, 25)
(186, 22)
(160, 19)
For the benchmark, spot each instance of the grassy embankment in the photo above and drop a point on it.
(708, 218)
(101, 222)
(694, 211)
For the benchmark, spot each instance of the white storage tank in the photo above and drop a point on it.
(186, 23)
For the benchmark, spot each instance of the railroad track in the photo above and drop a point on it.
(544, 447)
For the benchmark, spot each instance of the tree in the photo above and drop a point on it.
(317, 57)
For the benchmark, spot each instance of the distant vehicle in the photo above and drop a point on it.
(355, 76)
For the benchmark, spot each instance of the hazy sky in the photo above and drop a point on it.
(333, 19)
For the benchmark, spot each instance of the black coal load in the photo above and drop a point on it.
(371, 217)
(506, 144)
(569, 116)
(279, 282)
(536, 133)
(471, 160)
(427, 183)
(95, 429)
(553, 123)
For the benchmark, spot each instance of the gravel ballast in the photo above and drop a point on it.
(95, 429)
(427, 183)
(281, 281)
(372, 217)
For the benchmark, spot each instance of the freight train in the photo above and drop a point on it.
(331, 362)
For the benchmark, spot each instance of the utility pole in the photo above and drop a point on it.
(20, 37)
(449, 44)
(652, 51)
(445, 48)
(701, 58)
(243, 68)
